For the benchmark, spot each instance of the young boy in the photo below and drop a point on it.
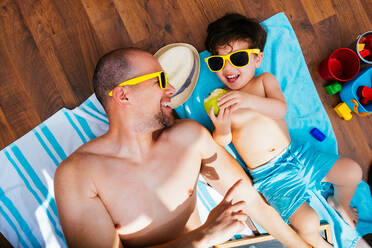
(252, 117)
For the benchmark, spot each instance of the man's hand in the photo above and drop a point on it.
(225, 220)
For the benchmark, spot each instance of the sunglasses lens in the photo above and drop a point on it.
(215, 63)
(239, 58)
(163, 80)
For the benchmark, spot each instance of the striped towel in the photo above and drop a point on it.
(28, 212)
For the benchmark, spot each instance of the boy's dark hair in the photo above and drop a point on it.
(233, 27)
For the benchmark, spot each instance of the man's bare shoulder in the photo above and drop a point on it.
(187, 130)
(81, 161)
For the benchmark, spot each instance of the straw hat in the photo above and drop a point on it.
(181, 62)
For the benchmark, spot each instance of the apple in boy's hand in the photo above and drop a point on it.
(212, 100)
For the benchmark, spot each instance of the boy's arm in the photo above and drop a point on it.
(222, 126)
(273, 104)
(221, 171)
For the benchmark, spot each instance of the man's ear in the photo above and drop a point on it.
(121, 95)
(259, 58)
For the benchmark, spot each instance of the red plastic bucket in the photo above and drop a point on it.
(342, 65)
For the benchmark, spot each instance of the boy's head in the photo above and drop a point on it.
(231, 33)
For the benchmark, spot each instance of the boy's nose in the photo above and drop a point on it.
(228, 65)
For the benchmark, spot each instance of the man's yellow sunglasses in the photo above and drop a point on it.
(238, 59)
(161, 75)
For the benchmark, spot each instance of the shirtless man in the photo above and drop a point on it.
(135, 185)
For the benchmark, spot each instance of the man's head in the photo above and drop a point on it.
(145, 101)
(232, 33)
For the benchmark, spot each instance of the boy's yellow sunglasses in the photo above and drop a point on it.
(238, 59)
(161, 75)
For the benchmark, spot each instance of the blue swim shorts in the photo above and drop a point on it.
(285, 180)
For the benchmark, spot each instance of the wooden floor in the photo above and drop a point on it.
(48, 49)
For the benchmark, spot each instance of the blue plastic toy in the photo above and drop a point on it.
(349, 95)
(317, 134)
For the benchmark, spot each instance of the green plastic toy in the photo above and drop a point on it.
(333, 88)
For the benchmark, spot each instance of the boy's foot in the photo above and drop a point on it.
(349, 214)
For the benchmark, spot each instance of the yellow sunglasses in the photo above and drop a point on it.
(161, 75)
(238, 59)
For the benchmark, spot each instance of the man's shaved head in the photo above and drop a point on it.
(111, 69)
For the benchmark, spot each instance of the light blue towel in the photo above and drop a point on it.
(283, 58)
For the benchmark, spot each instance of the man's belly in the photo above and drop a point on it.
(153, 230)
(260, 139)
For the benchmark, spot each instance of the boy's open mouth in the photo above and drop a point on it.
(232, 78)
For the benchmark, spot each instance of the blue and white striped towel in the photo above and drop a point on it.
(28, 213)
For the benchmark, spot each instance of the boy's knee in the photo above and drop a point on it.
(354, 171)
(306, 223)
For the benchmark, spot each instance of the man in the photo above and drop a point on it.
(135, 185)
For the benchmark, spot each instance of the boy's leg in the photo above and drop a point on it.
(345, 175)
(306, 222)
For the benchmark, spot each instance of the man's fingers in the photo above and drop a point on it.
(240, 216)
(228, 196)
(238, 206)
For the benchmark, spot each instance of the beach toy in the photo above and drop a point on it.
(343, 111)
(364, 53)
(212, 100)
(349, 92)
(342, 65)
(365, 92)
(364, 101)
(366, 39)
(333, 88)
(361, 46)
(317, 134)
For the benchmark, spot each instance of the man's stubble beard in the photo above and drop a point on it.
(164, 120)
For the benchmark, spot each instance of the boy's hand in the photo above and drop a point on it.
(221, 122)
(234, 100)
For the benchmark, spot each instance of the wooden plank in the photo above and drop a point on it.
(258, 9)
(17, 111)
(43, 27)
(26, 60)
(136, 19)
(352, 18)
(107, 24)
(3, 242)
(6, 134)
(318, 10)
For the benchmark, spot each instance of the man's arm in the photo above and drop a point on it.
(221, 171)
(84, 219)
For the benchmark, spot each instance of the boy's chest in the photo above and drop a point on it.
(255, 87)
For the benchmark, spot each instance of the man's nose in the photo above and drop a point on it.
(170, 90)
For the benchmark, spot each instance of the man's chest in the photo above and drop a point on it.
(144, 198)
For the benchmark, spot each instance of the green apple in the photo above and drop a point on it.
(212, 100)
